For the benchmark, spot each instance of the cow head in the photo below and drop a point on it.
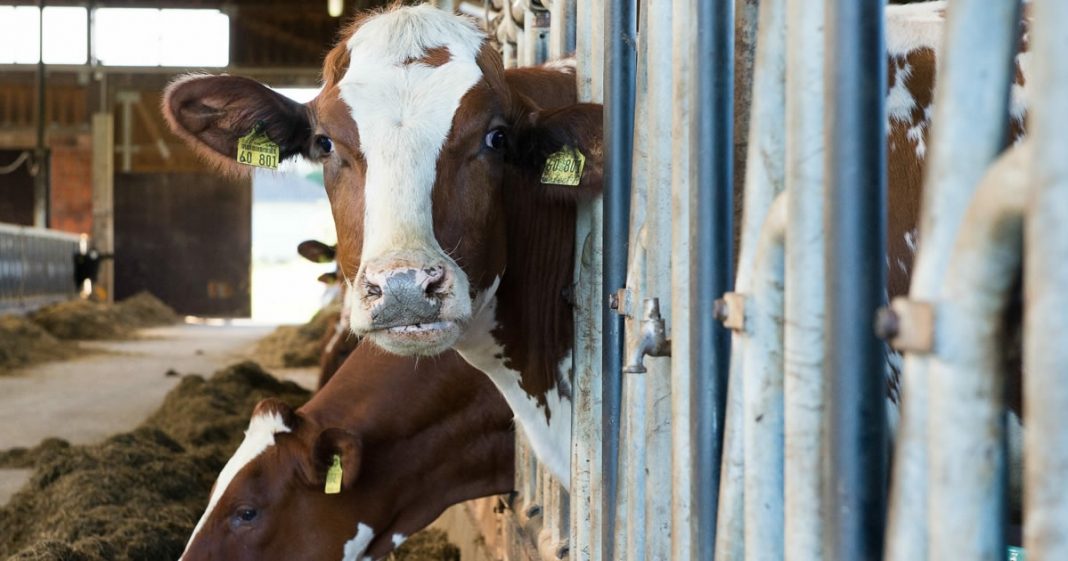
(420, 133)
(269, 502)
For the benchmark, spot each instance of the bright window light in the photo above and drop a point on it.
(64, 39)
(65, 36)
(150, 37)
(299, 95)
(18, 35)
(211, 29)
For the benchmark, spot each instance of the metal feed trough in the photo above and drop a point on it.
(743, 417)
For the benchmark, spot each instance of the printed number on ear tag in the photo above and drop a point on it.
(563, 167)
(333, 477)
(257, 150)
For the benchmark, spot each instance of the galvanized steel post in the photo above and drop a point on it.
(588, 532)
(804, 299)
(709, 38)
(763, 182)
(960, 148)
(855, 203)
(620, 32)
(1045, 278)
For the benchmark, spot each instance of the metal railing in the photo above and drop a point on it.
(36, 267)
(674, 459)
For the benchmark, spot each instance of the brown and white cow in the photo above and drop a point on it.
(414, 436)
(432, 158)
(338, 342)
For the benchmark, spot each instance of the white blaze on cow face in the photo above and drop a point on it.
(258, 437)
(403, 109)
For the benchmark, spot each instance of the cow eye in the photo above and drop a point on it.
(494, 139)
(324, 143)
(245, 515)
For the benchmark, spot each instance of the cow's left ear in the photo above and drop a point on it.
(548, 137)
(334, 449)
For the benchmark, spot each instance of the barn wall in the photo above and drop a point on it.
(72, 186)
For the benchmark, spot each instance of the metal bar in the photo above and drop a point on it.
(40, 178)
(762, 408)
(1045, 277)
(709, 194)
(967, 381)
(764, 180)
(587, 484)
(620, 30)
(960, 147)
(804, 299)
(656, 33)
(855, 199)
(562, 28)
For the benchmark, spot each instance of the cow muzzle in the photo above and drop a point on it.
(411, 304)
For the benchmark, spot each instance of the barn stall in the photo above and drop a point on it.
(715, 408)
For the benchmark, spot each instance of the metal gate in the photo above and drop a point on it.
(729, 417)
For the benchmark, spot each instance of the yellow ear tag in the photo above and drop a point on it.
(256, 149)
(563, 167)
(333, 477)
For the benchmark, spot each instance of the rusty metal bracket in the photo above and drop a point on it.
(908, 325)
(621, 302)
(730, 310)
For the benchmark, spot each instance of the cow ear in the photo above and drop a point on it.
(316, 251)
(334, 443)
(210, 114)
(548, 133)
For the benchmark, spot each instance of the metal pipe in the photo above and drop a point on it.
(587, 483)
(1045, 279)
(960, 148)
(855, 202)
(967, 382)
(764, 180)
(709, 232)
(40, 178)
(804, 299)
(762, 409)
(562, 28)
(620, 36)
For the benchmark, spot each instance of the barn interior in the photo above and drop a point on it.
(94, 185)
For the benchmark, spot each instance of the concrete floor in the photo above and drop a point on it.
(90, 398)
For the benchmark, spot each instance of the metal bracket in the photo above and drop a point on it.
(620, 302)
(731, 311)
(908, 325)
(654, 341)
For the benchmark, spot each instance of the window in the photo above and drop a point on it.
(65, 35)
(149, 37)
(122, 36)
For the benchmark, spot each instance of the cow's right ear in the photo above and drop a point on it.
(334, 448)
(210, 114)
(317, 251)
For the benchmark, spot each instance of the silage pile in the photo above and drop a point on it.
(23, 342)
(293, 346)
(87, 320)
(138, 495)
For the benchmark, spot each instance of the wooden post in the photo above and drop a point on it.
(103, 198)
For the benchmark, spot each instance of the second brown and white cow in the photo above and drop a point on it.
(411, 438)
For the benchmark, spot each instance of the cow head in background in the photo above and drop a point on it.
(419, 132)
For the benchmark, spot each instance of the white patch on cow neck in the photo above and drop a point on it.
(357, 546)
(404, 114)
(398, 539)
(566, 65)
(914, 26)
(550, 439)
(258, 437)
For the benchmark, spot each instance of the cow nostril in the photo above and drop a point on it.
(372, 290)
(436, 282)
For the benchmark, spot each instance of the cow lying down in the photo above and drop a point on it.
(376, 455)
